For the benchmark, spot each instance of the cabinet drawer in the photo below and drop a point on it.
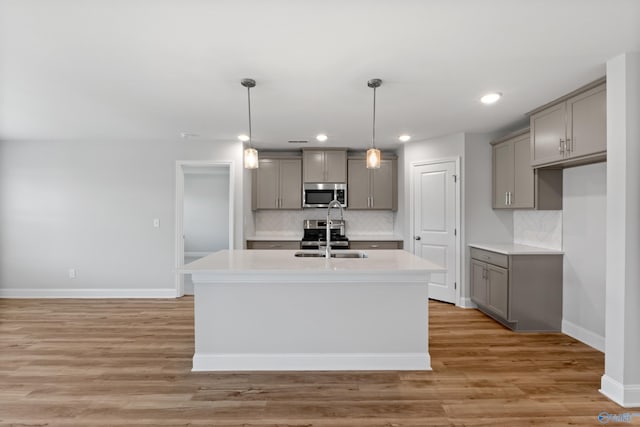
(370, 244)
(490, 257)
(273, 244)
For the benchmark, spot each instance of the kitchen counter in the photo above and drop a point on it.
(269, 310)
(515, 249)
(260, 262)
(374, 237)
(275, 237)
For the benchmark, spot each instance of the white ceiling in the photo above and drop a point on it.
(135, 69)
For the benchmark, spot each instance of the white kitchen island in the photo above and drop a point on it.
(270, 310)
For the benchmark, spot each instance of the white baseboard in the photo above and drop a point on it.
(87, 293)
(627, 396)
(584, 335)
(467, 303)
(312, 362)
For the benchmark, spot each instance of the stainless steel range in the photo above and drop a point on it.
(315, 234)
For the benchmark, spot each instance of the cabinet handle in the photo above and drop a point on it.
(374, 246)
(372, 201)
(506, 198)
(510, 198)
(569, 145)
(561, 146)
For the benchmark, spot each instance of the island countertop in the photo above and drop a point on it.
(284, 261)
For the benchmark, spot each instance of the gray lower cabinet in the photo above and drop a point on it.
(273, 244)
(523, 292)
(375, 244)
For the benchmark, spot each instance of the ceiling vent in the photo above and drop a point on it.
(297, 141)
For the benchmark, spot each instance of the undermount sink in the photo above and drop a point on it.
(358, 254)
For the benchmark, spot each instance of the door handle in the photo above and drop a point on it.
(417, 237)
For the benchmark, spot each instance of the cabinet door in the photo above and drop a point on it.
(358, 185)
(548, 133)
(478, 282)
(502, 174)
(290, 184)
(313, 166)
(498, 290)
(267, 184)
(523, 177)
(587, 123)
(335, 163)
(382, 187)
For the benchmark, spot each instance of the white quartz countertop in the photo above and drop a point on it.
(276, 236)
(515, 249)
(374, 237)
(284, 261)
(291, 236)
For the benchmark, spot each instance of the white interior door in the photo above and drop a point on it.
(434, 223)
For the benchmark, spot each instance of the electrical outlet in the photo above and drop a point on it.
(72, 273)
(156, 222)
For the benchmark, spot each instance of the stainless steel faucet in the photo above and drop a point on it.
(332, 204)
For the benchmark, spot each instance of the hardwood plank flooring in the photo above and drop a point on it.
(77, 362)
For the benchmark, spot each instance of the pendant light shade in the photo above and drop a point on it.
(373, 158)
(251, 158)
(250, 153)
(373, 154)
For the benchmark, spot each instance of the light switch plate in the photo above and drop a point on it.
(156, 222)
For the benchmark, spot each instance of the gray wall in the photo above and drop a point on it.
(90, 205)
(584, 244)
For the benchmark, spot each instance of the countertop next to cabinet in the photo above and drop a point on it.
(297, 236)
(515, 249)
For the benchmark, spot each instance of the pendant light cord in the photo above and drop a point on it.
(249, 102)
(373, 137)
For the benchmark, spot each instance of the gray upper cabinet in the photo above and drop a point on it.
(587, 123)
(572, 130)
(515, 184)
(277, 184)
(547, 135)
(324, 165)
(372, 188)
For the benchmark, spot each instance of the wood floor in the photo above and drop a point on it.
(127, 363)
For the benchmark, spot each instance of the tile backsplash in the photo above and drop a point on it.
(290, 222)
(538, 228)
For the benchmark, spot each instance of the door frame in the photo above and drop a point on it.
(458, 209)
(179, 212)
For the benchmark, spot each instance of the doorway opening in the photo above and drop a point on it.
(204, 214)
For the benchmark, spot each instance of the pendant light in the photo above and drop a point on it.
(250, 153)
(373, 154)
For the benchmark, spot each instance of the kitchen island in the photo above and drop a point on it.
(271, 310)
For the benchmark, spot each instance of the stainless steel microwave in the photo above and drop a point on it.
(319, 195)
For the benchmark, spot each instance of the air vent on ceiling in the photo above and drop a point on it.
(297, 141)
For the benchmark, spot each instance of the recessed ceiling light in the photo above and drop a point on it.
(490, 98)
(322, 137)
(404, 138)
(243, 137)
